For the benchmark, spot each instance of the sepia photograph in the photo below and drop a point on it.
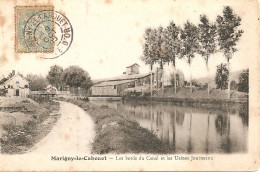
(129, 85)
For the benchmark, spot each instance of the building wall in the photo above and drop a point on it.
(104, 91)
(128, 71)
(122, 87)
(144, 81)
(118, 90)
(17, 83)
(135, 69)
(132, 70)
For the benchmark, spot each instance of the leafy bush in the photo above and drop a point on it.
(233, 85)
(243, 84)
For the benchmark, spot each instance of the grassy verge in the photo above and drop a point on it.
(19, 138)
(198, 102)
(198, 97)
(116, 134)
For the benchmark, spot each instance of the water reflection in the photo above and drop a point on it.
(189, 129)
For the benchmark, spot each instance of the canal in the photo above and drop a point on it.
(190, 129)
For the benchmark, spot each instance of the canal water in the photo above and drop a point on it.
(190, 129)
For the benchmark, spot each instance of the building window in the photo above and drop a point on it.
(25, 86)
(11, 86)
(17, 82)
(114, 86)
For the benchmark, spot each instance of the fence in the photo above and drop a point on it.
(51, 92)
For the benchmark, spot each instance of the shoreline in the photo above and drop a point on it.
(118, 134)
(198, 102)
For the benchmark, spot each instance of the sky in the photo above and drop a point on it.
(108, 35)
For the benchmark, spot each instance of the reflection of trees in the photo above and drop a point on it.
(173, 126)
(243, 113)
(207, 136)
(189, 148)
(179, 117)
(222, 124)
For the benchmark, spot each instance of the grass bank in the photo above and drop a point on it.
(200, 102)
(25, 122)
(183, 97)
(197, 92)
(117, 134)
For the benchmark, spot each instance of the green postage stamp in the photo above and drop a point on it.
(34, 32)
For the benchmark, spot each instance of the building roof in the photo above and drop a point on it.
(132, 65)
(125, 77)
(111, 83)
(15, 76)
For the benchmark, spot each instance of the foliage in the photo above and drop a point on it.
(161, 46)
(233, 85)
(207, 38)
(3, 80)
(243, 84)
(74, 76)
(195, 83)
(172, 34)
(172, 41)
(173, 79)
(189, 42)
(37, 82)
(55, 76)
(150, 47)
(3, 92)
(221, 78)
(228, 33)
(179, 78)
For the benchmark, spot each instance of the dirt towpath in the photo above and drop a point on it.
(73, 133)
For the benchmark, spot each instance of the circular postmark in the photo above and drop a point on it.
(48, 32)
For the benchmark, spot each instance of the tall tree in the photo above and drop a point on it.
(55, 76)
(161, 51)
(149, 52)
(172, 40)
(228, 35)
(207, 40)
(75, 77)
(189, 45)
(221, 78)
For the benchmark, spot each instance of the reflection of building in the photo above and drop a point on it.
(17, 86)
(116, 86)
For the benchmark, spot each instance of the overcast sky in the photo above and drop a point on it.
(108, 35)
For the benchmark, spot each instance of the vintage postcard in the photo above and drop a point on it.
(134, 85)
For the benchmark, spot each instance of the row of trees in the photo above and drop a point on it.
(73, 76)
(165, 45)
